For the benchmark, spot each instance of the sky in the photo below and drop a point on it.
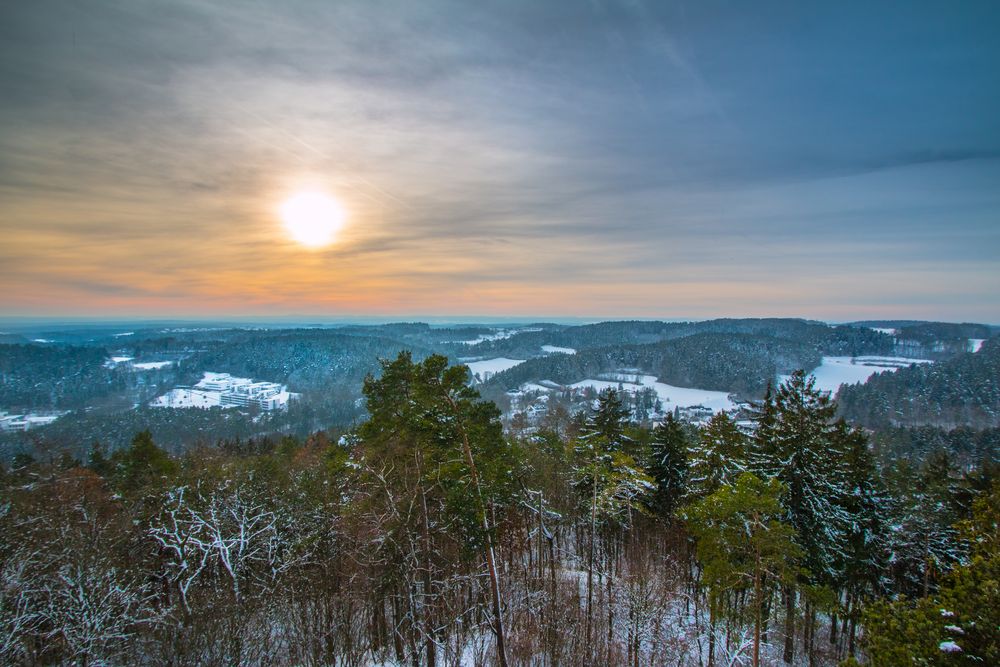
(603, 159)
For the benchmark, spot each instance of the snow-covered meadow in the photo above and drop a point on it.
(835, 371)
(484, 369)
(669, 395)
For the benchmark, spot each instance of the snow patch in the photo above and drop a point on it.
(498, 334)
(950, 647)
(835, 371)
(975, 344)
(483, 370)
(552, 349)
(669, 395)
(151, 365)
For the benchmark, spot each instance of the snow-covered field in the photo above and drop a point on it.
(498, 334)
(151, 365)
(141, 366)
(488, 367)
(669, 395)
(835, 371)
(114, 361)
(552, 349)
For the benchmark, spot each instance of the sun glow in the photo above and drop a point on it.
(312, 218)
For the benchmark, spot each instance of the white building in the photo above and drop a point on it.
(26, 422)
(224, 390)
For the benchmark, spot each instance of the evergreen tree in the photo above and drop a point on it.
(743, 546)
(608, 421)
(610, 479)
(97, 461)
(925, 543)
(718, 458)
(142, 463)
(957, 625)
(801, 453)
(426, 413)
(668, 466)
(865, 505)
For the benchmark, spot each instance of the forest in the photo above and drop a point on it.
(425, 535)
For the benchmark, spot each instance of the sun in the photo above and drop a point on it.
(312, 218)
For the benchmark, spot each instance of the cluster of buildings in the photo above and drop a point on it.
(26, 422)
(224, 390)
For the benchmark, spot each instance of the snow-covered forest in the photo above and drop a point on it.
(427, 536)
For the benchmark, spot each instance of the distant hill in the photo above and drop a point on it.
(832, 340)
(304, 359)
(741, 363)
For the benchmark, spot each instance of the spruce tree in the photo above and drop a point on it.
(668, 466)
(865, 505)
(744, 548)
(611, 481)
(718, 457)
(801, 452)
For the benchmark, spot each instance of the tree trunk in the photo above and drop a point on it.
(852, 612)
(789, 653)
(811, 634)
(590, 564)
(431, 647)
(498, 629)
(711, 634)
(757, 604)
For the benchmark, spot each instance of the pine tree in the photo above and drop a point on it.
(743, 546)
(143, 463)
(718, 458)
(925, 542)
(956, 625)
(426, 413)
(608, 421)
(609, 478)
(865, 505)
(668, 466)
(801, 452)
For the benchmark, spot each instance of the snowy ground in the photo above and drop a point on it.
(669, 395)
(552, 349)
(487, 367)
(975, 344)
(151, 365)
(114, 361)
(835, 371)
(498, 334)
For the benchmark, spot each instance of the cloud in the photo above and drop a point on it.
(552, 150)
